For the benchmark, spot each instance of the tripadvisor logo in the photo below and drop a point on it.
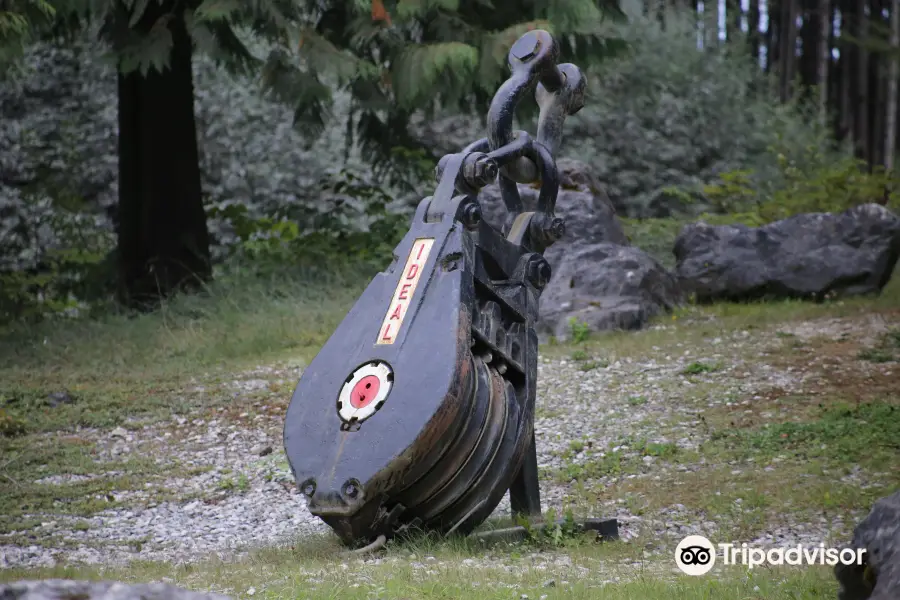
(696, 555)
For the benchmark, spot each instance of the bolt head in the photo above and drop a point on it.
(472, 215)
(539, 273)
(486, 170)
(557, 228)
(308, 489)
(350, 490)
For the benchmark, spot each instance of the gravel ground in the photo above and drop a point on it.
(242, 494)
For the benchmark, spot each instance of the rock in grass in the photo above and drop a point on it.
(812, 256)
(67, 589)
(605, 287)
(599, 279)
(879, 535)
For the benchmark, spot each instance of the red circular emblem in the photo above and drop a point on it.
(364, 391)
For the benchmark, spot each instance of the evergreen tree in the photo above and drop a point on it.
(163, 240)
(402, 57)
(395, 58)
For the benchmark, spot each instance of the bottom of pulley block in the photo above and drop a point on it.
(607, 530)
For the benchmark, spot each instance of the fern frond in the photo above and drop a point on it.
(422, 69)
(381, 138)
(217, 10)
(218, 40)
(321, 55)
(19, 20)
(570, 15)
(143, 52)
(310, 97)
(451, 27)
(413, 9)
(279, 14)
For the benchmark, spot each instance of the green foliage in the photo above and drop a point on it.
(657, 131)
(51, 260)
(554, 531)
(865, 433)
(18, 20)
(140, 32)
(349, 226)
(432, 55)
(814, 182)
(579, 330)
(886, 350)
(11, 426)
(698, 368)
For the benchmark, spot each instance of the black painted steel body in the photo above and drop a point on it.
(455, 430)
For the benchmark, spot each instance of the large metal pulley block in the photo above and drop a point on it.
(419, 410)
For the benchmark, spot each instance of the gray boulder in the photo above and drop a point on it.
(813, 255)
(598, 277)
(606, 287)
(67, 589)
(582, 202)
(879, 535)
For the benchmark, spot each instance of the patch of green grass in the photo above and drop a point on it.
(665, 450)
(101, 403)
(81, 526)
(886, 350)
(611, 463)
(433, 570)
(637, 400)
(579, 355)
(105, 372)
(876, 355)
(590, 366)
(576, 445)
(26, 461)
(234, 322)
(10, 426)
(697, 368)
(241, 483)
(866, 434)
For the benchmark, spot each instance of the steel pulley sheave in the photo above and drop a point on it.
(418, 411)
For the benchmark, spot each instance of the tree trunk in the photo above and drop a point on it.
(808, 63)
(824, 54)
(878, 75)
(773, 36)
(890, 129)
(716, 17)
(733, 18)
(163, 241)
(753, 35)
(862, 82)
(847, 64)
(788, 37)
